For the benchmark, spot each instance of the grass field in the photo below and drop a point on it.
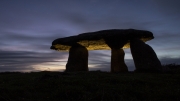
(89, 86)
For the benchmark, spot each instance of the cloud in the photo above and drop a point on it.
(168, 60)
(23, 60)
(169, 8)
(23, 41)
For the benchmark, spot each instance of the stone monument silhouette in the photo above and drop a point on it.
(116, 40)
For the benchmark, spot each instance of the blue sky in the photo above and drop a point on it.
(28, 27)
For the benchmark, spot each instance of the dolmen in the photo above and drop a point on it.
(145, 59)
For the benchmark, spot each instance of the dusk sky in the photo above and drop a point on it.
(28, 27)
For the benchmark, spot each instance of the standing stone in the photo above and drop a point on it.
(145, 59)
(117, 61)
(78, 59)
(117, 54)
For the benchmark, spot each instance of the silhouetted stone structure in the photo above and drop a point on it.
(117, 61)
(78, 59)
(145, 59)
(114, 39)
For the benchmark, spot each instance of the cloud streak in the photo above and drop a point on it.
(24, 61)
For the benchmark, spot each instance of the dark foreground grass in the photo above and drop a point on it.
(89, 86)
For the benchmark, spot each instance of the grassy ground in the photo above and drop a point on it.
(89, 86)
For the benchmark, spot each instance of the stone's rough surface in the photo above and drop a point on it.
(102, 40)
(117, 61)
(78, 59)
(145, 58)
